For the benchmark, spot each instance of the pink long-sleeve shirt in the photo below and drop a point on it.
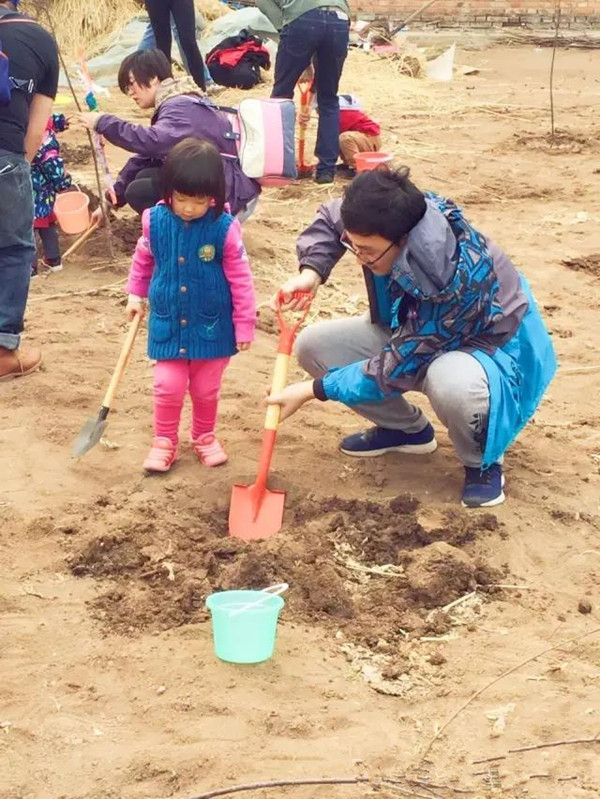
(236, 268)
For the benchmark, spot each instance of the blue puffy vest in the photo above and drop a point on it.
(190, 299)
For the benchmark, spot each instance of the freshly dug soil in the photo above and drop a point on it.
(162, 567)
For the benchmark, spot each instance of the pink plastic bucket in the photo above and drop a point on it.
(72, 211)
(367, 161)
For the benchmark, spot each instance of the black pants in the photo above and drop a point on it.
(50, 246)
(144, 191)
(185, 21)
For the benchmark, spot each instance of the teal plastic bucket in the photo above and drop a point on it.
(249, 636)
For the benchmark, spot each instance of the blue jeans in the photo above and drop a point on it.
(148, 42)
(17, 248)
(322, 35)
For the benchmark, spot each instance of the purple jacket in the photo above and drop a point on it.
(175, 119)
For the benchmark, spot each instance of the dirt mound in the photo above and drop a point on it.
(75, 154)
(346, 561)
(92, 194)
(501, 190)
(125, 233)
(587, 263)
(563, 141)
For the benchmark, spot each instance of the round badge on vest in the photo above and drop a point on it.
(207, 252)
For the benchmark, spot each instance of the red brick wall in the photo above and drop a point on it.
(485, 13)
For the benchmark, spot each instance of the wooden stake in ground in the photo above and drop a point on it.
(557, 12)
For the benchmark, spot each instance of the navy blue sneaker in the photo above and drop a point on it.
(325, 177)
(345, 171)
(483, 489)
(379, 440)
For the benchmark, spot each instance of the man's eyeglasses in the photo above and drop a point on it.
(345, 241)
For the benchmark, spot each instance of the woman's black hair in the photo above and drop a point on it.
(143, 65)
(194, 167)
(383, 202)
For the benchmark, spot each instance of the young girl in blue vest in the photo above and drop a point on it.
(192, 265)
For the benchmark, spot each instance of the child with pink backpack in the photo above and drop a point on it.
(190, 262)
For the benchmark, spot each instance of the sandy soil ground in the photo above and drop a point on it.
(110, 688)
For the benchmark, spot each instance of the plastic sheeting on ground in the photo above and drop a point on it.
(104, 67)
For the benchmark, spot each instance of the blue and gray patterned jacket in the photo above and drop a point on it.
(48, 174)
(450, 289)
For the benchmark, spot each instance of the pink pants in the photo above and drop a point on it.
(171, 382)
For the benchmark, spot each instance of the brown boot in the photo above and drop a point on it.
(16, 363)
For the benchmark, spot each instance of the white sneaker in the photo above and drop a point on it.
(56, 268)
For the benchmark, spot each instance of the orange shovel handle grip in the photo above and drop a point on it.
(287, 333)
(305, 87)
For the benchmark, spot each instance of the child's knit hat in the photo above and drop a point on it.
(348, 102)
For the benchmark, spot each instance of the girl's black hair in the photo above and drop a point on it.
(383, 202)
(143, 65)
(194, 167)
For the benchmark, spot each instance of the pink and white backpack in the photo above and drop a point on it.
(264, 133)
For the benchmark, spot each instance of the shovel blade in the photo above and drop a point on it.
(250, 523)
(91, 433)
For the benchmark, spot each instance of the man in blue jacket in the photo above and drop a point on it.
(450, 317)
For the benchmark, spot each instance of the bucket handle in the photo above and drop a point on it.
(271, 590)
(73, 185)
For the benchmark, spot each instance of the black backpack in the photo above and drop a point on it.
(7, 83)
(244, 74)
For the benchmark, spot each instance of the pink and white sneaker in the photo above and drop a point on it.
(162, 455)
(208, 450)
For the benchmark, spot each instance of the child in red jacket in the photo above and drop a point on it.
(358, 132)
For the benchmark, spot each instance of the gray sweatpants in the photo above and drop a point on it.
(455, 383)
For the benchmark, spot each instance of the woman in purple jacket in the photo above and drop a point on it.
(181, 110)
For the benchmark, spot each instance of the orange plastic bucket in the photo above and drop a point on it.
(72, 211)
(367, 161)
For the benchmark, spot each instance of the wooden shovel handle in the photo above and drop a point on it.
(278, 383)
(122, 362)
(81, 240)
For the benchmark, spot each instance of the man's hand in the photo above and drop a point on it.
(307, 280)
(292, 398)
(88, 119)
(135, 305)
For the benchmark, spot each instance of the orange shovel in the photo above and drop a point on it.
(305, 88)
(255, 511)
